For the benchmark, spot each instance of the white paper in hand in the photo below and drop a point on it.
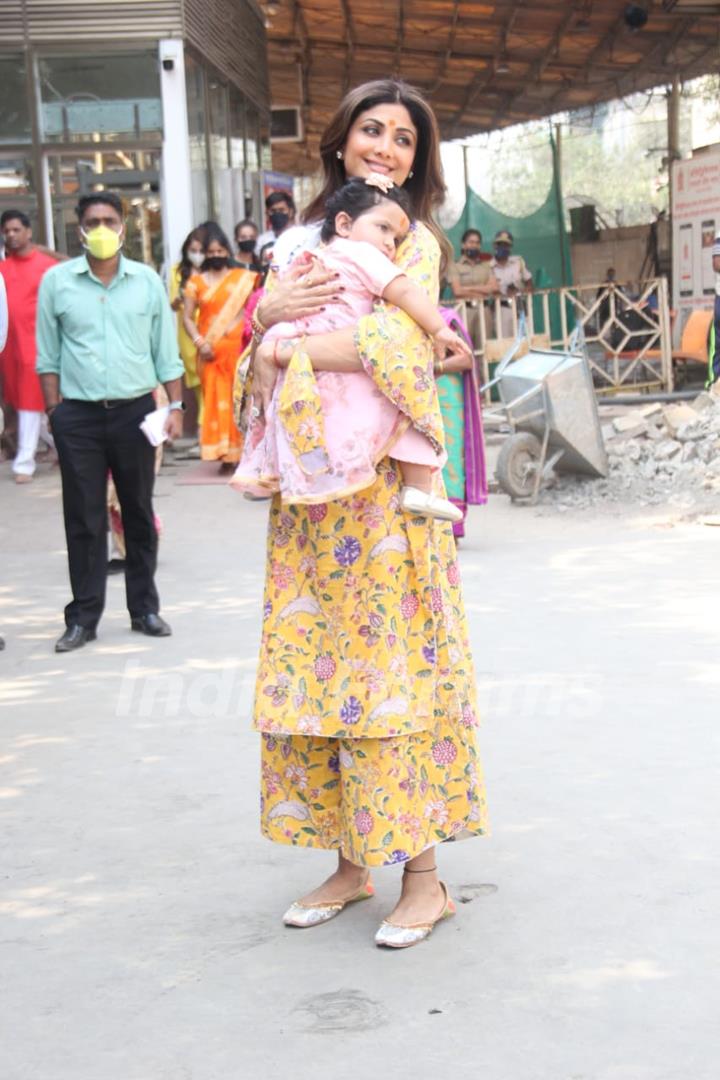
(153, 426)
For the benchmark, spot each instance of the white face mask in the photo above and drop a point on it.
(197, 258)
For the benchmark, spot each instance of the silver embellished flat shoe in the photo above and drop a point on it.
(305, 915)
(428, 504)
(395, 936)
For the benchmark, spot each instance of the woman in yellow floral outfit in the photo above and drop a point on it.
(365, 691)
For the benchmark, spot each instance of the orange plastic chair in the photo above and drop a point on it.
(694, 342)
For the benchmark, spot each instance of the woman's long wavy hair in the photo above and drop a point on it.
(426, 187)
(186, 267)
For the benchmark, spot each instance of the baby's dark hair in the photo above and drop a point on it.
(355, 198)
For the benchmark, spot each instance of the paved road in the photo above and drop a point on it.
(140, 933)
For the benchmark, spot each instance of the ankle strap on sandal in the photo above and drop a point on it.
(430, 870)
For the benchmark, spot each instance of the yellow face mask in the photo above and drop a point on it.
(102, 242)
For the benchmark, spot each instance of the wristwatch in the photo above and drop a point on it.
(178, 406)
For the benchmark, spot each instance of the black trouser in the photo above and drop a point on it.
(91, 441)
(716, 353)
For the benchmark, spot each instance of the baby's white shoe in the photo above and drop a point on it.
(427, 504)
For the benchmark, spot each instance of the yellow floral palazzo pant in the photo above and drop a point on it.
(378, 801)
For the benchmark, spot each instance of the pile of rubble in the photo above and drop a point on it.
(656, 454)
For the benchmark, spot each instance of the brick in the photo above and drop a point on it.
(677, 415)
(631, 425)
(648, 412)
(667, 449)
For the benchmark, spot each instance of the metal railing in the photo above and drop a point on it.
(625, 329)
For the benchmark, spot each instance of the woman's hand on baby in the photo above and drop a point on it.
(450, 347)
(303, 291)
(265, 374)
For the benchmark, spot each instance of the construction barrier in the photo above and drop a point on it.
(626, 330)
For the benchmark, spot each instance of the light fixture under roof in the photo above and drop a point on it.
(635, 16)
(502, 66)
(270, 10)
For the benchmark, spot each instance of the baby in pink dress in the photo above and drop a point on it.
(314, 455)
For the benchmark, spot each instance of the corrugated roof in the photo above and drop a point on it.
(483, 65)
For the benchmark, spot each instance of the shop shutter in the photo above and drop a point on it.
(102, 20)
(12, 30)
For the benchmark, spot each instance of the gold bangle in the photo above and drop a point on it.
(258, 330)
(441, 367)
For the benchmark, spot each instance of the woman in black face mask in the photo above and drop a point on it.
(471, 278)
(218, 295)
(471, 245)
(246, 236)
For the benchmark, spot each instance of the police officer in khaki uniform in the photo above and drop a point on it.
(471, 279)
(512, 276)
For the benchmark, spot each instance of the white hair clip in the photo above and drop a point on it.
(379, 180)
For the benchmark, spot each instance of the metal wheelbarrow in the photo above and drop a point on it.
(547, 399)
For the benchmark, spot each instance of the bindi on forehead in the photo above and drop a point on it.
(388, 122)
(393, 125)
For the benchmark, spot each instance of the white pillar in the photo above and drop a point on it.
(46, 203)
(175, 189)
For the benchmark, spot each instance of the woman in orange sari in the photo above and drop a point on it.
(218, 295)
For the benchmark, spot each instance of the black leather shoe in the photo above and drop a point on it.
(151, 624)
(74, 638)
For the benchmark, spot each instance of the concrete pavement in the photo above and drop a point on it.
(140, 907)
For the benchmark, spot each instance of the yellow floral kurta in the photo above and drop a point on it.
(395, 353)
(365, 689)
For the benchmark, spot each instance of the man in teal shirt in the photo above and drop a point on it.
(105, 339)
